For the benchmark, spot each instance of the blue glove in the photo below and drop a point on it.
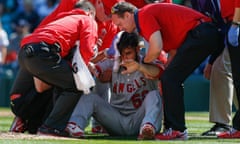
(233, 34)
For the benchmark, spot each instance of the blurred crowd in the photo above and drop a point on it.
(19, 18)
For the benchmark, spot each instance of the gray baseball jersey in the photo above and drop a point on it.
(127, 90)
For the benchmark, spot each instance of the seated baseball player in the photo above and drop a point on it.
(135, 107)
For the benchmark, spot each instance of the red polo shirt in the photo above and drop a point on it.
(142, 3)
(172, 20)
(108, 5)
(227, 8)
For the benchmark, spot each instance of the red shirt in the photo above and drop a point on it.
(142, 3)
(67, 29)
(137, 3)
(172, 20)
(227, 8)
(237, 3)
(106, 31)
(108, 5)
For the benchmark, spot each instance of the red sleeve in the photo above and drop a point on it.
(142, 3)
(106, 31)
(137, 3)
(88, 39)
(108, 5)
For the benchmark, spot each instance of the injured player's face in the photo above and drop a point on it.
(128, 54)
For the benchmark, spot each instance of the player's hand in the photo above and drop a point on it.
(130, 65)
(233, 35)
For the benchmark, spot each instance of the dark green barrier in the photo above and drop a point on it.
(6, 80)
(196, 93)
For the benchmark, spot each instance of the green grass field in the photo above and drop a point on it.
(197, 122)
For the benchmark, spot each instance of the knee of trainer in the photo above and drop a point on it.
(40, 89)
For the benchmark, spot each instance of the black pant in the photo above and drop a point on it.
(45, 63)
(198, 45)
(32, 107)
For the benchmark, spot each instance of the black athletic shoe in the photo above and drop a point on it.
(45, 130)
(217, 129)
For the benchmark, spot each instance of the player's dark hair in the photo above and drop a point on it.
(128, 40)
(85, 5)
(121, 7)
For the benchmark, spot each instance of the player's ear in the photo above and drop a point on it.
(127, 14)
(138, 49)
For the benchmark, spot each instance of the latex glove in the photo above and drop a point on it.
(233, 35)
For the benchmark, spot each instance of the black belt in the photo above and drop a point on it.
(33, 48)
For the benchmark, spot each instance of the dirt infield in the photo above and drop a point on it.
(11, 135)
(6, 114)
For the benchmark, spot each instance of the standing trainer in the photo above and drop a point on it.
(187, 35)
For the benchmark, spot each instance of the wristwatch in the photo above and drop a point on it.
(235, 23)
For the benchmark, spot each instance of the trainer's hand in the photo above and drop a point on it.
(130, 65)
(233, 35)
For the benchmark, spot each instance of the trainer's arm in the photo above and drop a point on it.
(155, 47)
(236, 17)
(149, 70)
